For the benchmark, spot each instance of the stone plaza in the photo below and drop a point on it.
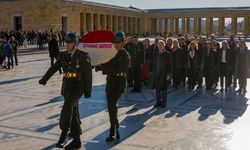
(193, 120)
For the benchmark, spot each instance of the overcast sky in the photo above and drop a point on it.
(150, 4)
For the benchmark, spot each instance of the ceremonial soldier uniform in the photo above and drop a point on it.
(136, 52)
(77, 80)
(116, 70)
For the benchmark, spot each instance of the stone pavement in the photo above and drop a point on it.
(194, 120)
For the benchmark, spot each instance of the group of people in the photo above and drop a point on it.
(11, 40)
(167, 61)
(37, 37)
(8, 52)
(192, 59)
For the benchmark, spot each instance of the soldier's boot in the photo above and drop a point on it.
(75, 144)
(62, 140)
(114, 134)
(117, 134)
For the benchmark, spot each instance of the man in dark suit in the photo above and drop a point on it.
(162, 74)
(136, 52)
(242, 66)
(54, 50)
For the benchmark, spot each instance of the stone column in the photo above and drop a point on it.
(125, 24)
(207, 25)
(221, 25)
(131, 25)
(199, 26)
(183, 29)
(188, 25)
(139, 26)
(91, 22)
(153, 26)
(176, 25)
(166, 25)
(160, 25)
(172, 25)
(110, 22)
(83, 22)
(195, 26)
(234, 25)
(211, 20)
(122, 24)
(104, 22)
(98, 25)
(135, 24)
(246, 26)
(116, 23)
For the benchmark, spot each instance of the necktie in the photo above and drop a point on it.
(241, 50)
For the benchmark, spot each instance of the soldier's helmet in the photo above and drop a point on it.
(119, 37)
(72, 37)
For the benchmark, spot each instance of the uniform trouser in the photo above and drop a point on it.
(70, 118)
(130, 76)
(137, 71)
(161, 96)
(113, 93)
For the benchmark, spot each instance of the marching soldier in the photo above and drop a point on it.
(116, 70)
(136, 52)
(77, 81)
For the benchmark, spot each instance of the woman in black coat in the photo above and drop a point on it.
(224, 61)
(192, 64)
(177, 58)
(209, 66)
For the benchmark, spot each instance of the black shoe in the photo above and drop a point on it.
(221, 90)
(163, 105)
(130, 85)
(75, 144)
(62, 140)
(157, 105)
(136, 90)
(113, 136)
(208, 88)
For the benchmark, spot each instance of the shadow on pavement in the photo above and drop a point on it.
(231, 106)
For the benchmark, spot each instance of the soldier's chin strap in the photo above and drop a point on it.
(74, 47)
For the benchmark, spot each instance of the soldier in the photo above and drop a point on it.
(162, 74)
(136, 52)
(116, 70)
(77, 81)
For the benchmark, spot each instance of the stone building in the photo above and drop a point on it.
(82, 16)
